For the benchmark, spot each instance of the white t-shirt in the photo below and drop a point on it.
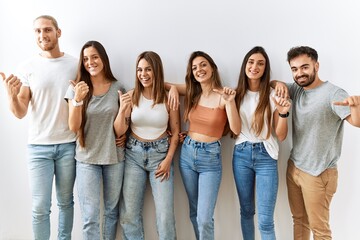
(48, 80)
(247, 111)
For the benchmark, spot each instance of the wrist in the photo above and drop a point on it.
(284, 115)
(76, 103)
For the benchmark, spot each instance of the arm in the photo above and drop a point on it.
(280, 123)
(228, 99)
(174, 91)
(354, 103)
(75, 112)
(122, 120)
(19, 96)
(281, 89)
(163, 170)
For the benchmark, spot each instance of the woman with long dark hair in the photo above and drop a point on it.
(263, 123)
(93, 105)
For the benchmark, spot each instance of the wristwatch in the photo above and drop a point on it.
(285, 115)
(75, 103)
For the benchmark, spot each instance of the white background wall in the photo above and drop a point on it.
(224, 29)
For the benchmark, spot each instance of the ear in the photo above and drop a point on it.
(317, 65)
(58, 33)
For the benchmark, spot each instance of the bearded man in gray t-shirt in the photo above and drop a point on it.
(312, 171)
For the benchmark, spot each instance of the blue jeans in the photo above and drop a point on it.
(44, 162)
(201, 171)
(254, 170)
(142, 160)
(88, 182)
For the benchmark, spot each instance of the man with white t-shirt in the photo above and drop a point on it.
(41, 83)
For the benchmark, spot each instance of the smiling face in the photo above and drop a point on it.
(145, 73)
(92, 61)
(304, 71)
(255, 66)
(46, 34)
(201, 69)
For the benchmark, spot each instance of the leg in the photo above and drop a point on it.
(266, 192)
(88, 181)
(41, 172)
(133, 200)
(163, 193)
(64, 181)
(209, 184)
(296, 202)
(208, 163)
(190, 179)
(112, 183)
(318, 192)
(245, 184)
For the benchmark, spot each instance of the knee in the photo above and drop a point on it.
(247, 211)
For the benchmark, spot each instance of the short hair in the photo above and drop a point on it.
(302, 50)
(51, 18)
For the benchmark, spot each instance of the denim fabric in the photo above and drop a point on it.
(256, 174)
(44, 162)
(201, 171)
(142, 160)
(88, 182)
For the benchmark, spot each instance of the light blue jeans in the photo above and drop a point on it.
(142, 160)
(45, 162)
(254, 170)
(201, 171)
(88, 182)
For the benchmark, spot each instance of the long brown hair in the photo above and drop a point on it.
(158, 88)
(263, 108)
(84, 75)
(193, 87)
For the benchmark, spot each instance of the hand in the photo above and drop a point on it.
(3, 75)
(125, 101)
(81, 90)
(281, 90)
(227, 94)
(120, 141)
(163, 170)
(282, 104)
(12, 85)
(173, 98)
(182, 136)
(351, 101)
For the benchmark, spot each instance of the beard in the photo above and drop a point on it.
(48, 47)
(308, 82)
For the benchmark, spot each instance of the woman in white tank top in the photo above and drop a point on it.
(149, 151)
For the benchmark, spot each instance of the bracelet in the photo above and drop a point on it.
(285, 115)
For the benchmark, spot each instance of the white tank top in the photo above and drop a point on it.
(147, 121)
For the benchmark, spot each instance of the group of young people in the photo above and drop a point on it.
(140, 132)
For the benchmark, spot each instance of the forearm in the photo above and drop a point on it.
(75, 117)
(180, 87)
(18, 108)
(281, 127)
(122, 123)
(233, 117)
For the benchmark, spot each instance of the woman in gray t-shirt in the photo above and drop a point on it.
(93, 106)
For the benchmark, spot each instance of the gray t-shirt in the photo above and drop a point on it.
(317, 126)
(100, 147)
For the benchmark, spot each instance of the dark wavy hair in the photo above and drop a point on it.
(302, 50)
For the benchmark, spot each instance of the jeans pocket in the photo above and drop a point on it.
(162, 146)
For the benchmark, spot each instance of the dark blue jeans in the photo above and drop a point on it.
(256, 174)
